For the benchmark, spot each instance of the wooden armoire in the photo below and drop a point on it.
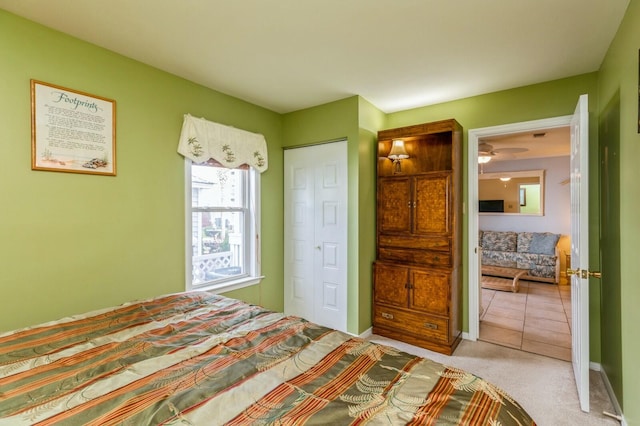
(417, 273)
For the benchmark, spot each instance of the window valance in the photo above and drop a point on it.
(201, 140)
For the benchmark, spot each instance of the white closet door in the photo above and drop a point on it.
(315, 218)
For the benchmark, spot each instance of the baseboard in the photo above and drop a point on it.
(366, 334)
(612, 395)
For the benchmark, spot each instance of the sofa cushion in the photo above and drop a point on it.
(544, 243)
(499, 240)
(524, 241)
(506, 259)
(543, 271)
(534, 259)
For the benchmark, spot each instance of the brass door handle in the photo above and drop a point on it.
(583, 273)
(572, 272)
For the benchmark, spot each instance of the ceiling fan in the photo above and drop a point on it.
(486, 152)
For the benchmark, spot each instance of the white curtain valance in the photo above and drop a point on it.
(201, 140)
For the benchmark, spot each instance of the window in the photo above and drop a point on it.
(221, 227)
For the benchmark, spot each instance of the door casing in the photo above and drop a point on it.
(473, 289)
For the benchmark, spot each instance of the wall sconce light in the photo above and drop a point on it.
(505, 179)
(397, 153)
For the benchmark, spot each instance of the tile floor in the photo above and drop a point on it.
(536, 319)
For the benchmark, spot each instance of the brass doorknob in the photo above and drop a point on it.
(572, 272)
(584, 274)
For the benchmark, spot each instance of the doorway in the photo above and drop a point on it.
(315, 233)
(476, 136)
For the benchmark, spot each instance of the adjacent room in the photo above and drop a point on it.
(332, 212)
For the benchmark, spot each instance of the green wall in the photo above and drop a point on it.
(618, 91)
(71, 243)
(76, 242)
(340, 120)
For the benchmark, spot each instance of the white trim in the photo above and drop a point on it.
(474, 136)
(232, 285)
(366, 334)
(252, 227)
(610, 392)
(188, 240)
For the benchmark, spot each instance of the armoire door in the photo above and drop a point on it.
(315, 233)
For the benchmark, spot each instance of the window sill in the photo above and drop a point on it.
(230, 285)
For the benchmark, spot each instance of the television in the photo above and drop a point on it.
(491, 206)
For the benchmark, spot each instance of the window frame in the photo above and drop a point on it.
(251, 241)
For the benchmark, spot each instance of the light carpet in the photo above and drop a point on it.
(544, 386)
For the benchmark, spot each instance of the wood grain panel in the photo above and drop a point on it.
(432, 204)
(390, 284)
(430, 291)
(394, 208)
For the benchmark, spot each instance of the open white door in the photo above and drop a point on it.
(580, 249)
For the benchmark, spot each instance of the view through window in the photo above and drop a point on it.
(221, 225)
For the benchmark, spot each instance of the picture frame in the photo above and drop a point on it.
(72, 131)
(523, 196)
(638, 90)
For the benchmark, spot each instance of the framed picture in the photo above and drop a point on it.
(523, 196)
(638, 91)
(72, 131)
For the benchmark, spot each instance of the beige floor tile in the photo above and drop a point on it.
(501, 336)
(504, 322)
(540, 298)
(533, 313)
(509, 307)
(487, 294)
(545, 293)
(543, 306)
(547, 324)
(508, 296)
(547, 336)
(537, 319)
(548, 350)
(543, 286)
(506, 312)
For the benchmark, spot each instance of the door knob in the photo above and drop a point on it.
(318, 247)
(583, 273)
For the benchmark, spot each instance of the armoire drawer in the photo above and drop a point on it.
(419, 324)
(413, 242)
(423, 257)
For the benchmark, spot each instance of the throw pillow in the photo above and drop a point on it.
(544, 243)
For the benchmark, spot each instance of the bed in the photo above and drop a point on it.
(200, 359)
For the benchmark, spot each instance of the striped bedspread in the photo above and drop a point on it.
(201, 359)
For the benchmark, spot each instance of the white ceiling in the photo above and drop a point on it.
(287, 55)
(553, 142)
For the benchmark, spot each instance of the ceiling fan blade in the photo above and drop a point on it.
(510, 150)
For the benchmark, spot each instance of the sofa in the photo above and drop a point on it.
(536, 251)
